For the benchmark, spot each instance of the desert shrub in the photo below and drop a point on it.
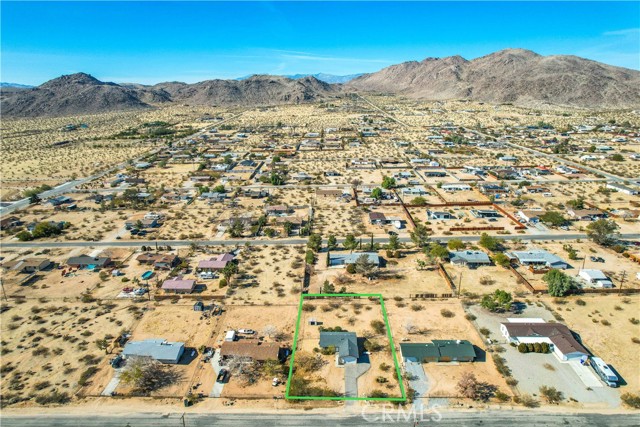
(308, 307)
(484, 331)
(378, 326)
(551, 394)
(522, 348)
(54, 397)
(447, 313)
(502, 396)
(528, 401)
(470, 317)
(631, 400)
(581, 302)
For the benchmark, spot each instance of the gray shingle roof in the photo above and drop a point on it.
(346, 343)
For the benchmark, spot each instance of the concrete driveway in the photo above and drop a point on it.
(113, 384)
(419, 382)
(217, 387)
(351, 374)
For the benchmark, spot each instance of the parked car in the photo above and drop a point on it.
(596, 259)
(127, 290)
(222, 376)
(275, 382)
(246, 331)
(116, 361)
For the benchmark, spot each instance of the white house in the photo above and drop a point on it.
(595, 278)
(622, 188)
(456, 187)
(557, 335)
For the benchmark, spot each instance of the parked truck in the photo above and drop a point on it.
(604, 371)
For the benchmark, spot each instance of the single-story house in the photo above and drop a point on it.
(595, 278)
(159, 261)
(538, 257)
(216, 263)
(84, 261)
(530, 216)
(622, 188)
(377, 218)
(158, 349)
(345, 343)
(469, 258)
(439, 215)
(277, 210)
(27, 265)
(9, 222)
(485, 213)
(565, 346)
(438, 351)
(253, 349)
(178, 285)
(329, 192)
(342, 259)
(586, 214)
(456, 187)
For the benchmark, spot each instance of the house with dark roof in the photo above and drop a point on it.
(557, 335)
(345, 344)
(85, 261)
(158, 349)
(159, 261)
(438, 351)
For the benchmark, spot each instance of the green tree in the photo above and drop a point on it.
(328, 288)
(617, 157)
(287, 227)
(237, 228)
(489, 242)
(315, 242)
(276, 179)
(394, 242)
(438, 251)
(455, 244)
(501, 259)
(229, 270)
(576, 203)
(219, 189)
(420, 235)
(376, 193)
(558, 283)
(366, 267)
(350, 242)
(497, 301)
(418, 201)
(103, 344)
(388, 182)
(604, 232)
(553, 218)
(45, 229)
(332, 242)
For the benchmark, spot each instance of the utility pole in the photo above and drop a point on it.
(624, 275)
(4, 293)
(182, 419)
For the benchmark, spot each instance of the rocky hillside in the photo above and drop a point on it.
(513, 76)
(83, 94)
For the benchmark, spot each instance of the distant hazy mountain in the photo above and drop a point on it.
(510, 76)
(14, 85)
(83, 94)
(513, 76)
(327, 78)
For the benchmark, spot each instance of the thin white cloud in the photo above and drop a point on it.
(625, 32)
(333, 58)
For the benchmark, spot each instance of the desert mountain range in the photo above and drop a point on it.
(516, 76)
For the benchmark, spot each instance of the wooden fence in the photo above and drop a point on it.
(446, 277)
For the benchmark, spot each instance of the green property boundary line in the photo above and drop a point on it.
(393, 352)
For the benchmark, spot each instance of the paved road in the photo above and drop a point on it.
(458, 419)
(240, 242)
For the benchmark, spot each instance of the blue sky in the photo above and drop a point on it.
(150, 42)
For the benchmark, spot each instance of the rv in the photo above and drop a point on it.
(605, 372)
